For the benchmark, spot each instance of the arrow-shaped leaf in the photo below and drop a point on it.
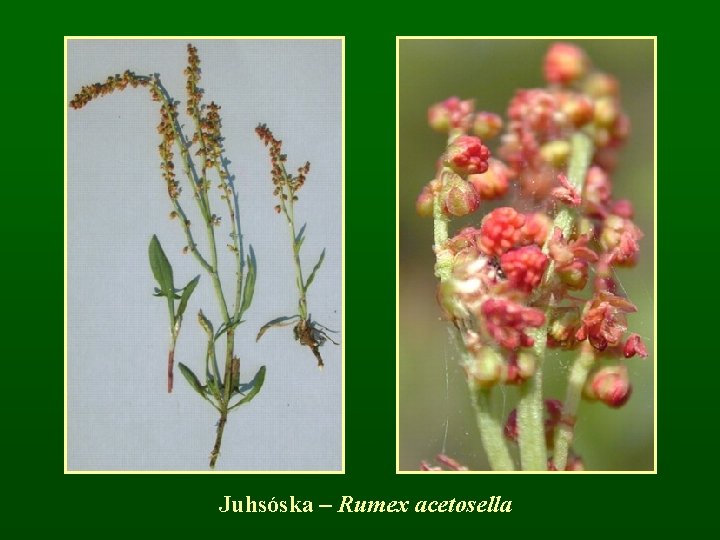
(255, 386)
(186, 295)
(311, 278)
(280, 321)
(161, 267)
(159, 293)
(249, 289)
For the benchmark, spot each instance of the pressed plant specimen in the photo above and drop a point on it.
(537, 274)
(308, 332)
(201, 156)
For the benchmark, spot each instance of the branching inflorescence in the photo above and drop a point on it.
(205, 146)
(308, 332)
(519, 283)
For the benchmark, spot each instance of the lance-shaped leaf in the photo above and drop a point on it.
(299, 239)
(280, 321)
(187, 291)
(206, 324)
(192, 379)
(253, 387)
(311, 277)
(249, 289)
(161, 268)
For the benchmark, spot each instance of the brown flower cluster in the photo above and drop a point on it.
(280, 178)
(113, 83)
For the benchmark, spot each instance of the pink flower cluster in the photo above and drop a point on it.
(517, 277)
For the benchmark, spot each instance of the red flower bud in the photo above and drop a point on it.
(459, 197)
(452, 113)
(634, 345)
(623, 208)
(564, 63)
(536, 229)
(524, 267)
(501, 231)
(424, 202)
(493, 183)
(487, 125)
(601, 85)
(611, 385)
(467, 155)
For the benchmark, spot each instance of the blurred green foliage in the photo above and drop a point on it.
(433, 394)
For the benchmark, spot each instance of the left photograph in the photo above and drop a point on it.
(204, 255)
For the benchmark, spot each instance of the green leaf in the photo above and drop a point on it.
(187, 291)
(206, 324)
(249, 289)
(192, 379)
(254, 387)
(161, 267)
(299, 239)
(159, 293)
(311, 278)
(280, 321)
(227, 327)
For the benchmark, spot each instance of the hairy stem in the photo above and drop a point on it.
(491, 429)
(576, 381)
(533, 452)
(531, 428)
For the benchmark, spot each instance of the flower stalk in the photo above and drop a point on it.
(308, 332)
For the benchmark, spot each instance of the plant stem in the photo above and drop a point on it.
(491, 429)
(531, 427)
(218, 439)
(227, 381)
(171, 363)
(576, 381)
(532, 442)
(200, 197)
(289, 211)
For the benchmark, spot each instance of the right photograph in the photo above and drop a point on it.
(526, 255)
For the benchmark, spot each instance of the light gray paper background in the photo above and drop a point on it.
(120, 416)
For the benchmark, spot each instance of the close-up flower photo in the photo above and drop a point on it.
(526, 214)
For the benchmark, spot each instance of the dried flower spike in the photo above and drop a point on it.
(308, 332)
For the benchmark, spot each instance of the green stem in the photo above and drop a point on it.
(235, 235)
(576, 381)
(289, 211)
(491, 429)
(532, 442)
(443, 259)
(531, 427)
(203, 204)
(490, 426)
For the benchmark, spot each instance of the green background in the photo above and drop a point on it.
(433, 388)
(40, 496)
